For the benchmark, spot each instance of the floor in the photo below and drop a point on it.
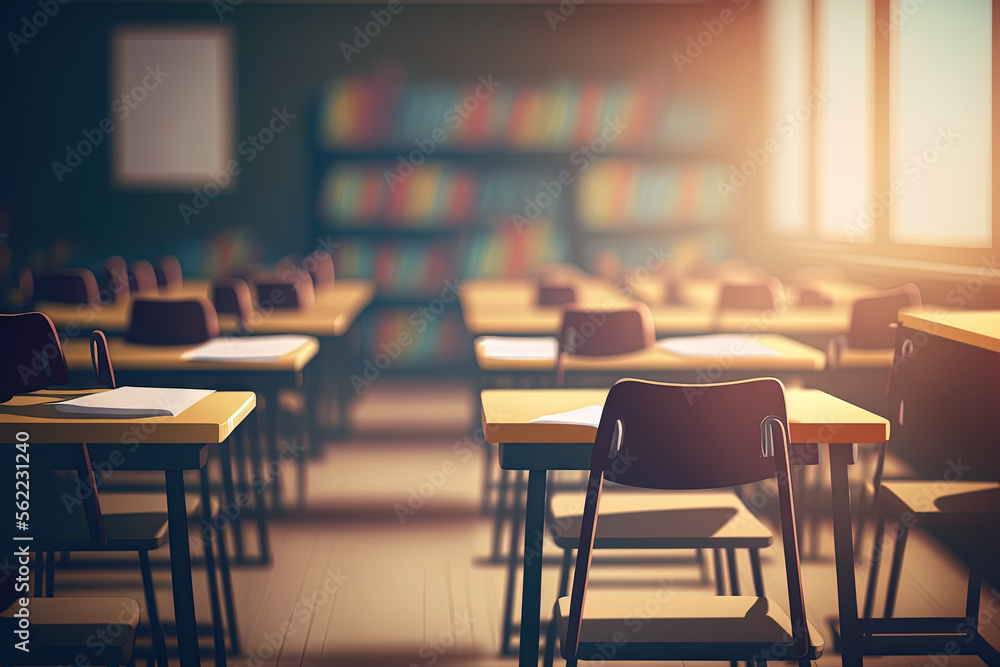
(389, 562)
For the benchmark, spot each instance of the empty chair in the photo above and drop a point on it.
(597, 332)
(64, 631)
(115, 278)
(672, 294)
(60, 286)
(556, 294)
(296, 293)
(169, 276)
(651, 436)
(231, 296)
(172, 321)
(873, 320)
(813, 298)
(756, 295)
(142, 278)
(319, 264)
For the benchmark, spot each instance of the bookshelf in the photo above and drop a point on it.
(425, 183)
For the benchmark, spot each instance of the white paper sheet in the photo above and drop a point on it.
(717, 345)
(587, 416)
(135, 402)
(508, 347)
(251, 348)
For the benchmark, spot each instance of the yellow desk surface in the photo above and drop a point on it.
(854, 358)
(490, 293)
(813, 416)
(980, 328)
(209, 421)
(795, 356)
(335, 311)
(131, 357)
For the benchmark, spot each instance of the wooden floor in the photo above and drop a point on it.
(356, 580)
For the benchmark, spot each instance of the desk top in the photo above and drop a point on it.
(813, 416)
(794, 356)
(335, 311)
(209, 421)
(980, 328)
(131, 357)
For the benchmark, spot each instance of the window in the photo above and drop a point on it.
(941, 163)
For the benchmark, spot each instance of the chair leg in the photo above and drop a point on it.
(40, 574)
(550, 644)
(805, 662)
(973, 592)
(702, 565)
(486, 503)
(720, 582)
(501, 512)
(301, 459)
(567, 563)
(209, 536)
(155, 626)
(227, 595)
(758, 575)
(50, 574)
(734, 576)
(877, 550)
(897, 566)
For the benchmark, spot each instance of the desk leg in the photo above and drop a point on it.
(229, 490)
(258, 480)
(180, 570)
(513, 555)
(274, 456)
(841, 456)
(531, 586)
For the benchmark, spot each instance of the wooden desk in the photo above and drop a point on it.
(171, 444)
(336, 310)
(164, 365)
(814, 418)
(794, 357)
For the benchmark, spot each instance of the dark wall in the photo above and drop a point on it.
(58, 85)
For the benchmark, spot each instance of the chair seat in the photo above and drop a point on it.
(64, 629)
(620, 625)
(941, 502)
(127, 503)
(134, 531)
(661, 520)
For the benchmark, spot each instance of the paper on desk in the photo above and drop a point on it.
(507, 347)
(588, 416)
(736, 345)
(135, 402)
(252, 348)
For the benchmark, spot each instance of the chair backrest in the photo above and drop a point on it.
(142, 278)
(813, 298)
(32, 356)
(115, 278)
(555, 295)
(32, 359)
(319, 264)
(168, 273)
(65, 286)
(159, 321)
(672, 295)
(100, 358)
(873, 317)
(232, 296)
(699, 436)
(598, 332)
(296, 293)
(756, 295)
